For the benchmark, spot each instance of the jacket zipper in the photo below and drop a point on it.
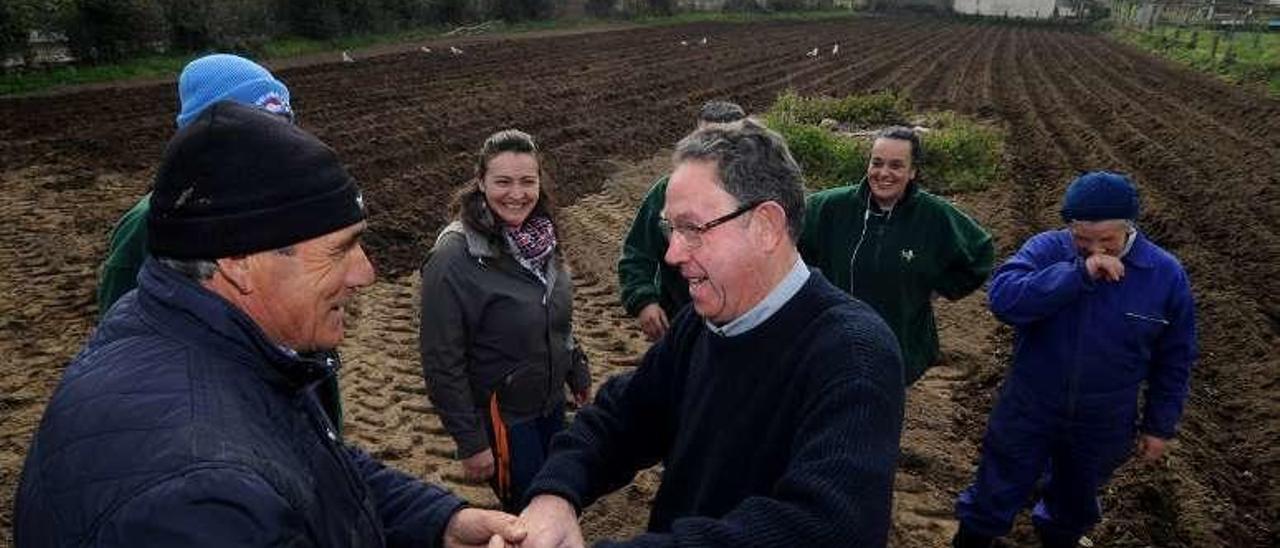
(335, 450)
(548, 287)
(546, 318)
(1073, 383)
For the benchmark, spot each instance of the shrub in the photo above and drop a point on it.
(865, 111)
(317, 19)
(521, 10)
(457, 11)
(828, 159)
(110, 30)
(960, 155)
(14, 26)
(742, 6)
(409, 13)
(662, 7)
(218, 24)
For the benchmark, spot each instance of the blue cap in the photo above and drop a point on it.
(222, 76)
(1100, 196)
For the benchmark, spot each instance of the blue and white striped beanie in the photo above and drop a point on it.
(222, 76)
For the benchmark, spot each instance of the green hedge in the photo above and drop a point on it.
(878, 109)
(111, 30)
(961, 155)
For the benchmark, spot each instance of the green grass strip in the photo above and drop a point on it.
(1250, 58)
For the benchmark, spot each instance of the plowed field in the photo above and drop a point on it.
(605, 105)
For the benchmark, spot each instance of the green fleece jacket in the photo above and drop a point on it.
(642, 274)
(923, 246)
(128, 250)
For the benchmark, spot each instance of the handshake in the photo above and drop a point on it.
(548, 522)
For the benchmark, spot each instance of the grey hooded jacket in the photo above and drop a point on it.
(489, 325)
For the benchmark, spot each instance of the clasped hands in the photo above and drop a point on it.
(548, 522)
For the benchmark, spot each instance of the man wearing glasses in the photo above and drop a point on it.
(774, 403)
(653, 292)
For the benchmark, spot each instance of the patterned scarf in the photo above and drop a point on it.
(532, 243)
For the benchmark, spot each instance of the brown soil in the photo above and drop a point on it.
(1206, 155)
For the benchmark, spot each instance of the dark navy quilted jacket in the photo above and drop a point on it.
(180, 424)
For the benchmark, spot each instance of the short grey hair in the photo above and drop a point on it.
(754, 165)
(720, 112)
(196, 269)
(201, 270)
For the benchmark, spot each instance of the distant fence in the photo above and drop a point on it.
(1208, 14)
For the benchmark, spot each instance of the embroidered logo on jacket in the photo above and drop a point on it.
(908, 255)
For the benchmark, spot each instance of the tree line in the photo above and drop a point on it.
(98, 31)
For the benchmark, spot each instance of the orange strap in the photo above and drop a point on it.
(501, 451)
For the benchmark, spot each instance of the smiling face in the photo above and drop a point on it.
(721, 268)
(511, 184)
(889, 170)
(299, 296)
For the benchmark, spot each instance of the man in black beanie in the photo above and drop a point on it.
(191, 418)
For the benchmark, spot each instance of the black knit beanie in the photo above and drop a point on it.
(238, 180)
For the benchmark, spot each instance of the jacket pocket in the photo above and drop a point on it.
(523, 390)
(1141, 329)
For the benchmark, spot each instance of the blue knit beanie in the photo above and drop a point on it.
(222, 76)
(1100, 196)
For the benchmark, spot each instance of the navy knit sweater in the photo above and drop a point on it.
(786, 435)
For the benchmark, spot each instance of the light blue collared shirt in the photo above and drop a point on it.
(763, 310)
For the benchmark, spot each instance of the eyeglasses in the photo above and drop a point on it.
(692, 234)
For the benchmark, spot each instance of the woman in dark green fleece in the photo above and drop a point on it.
(895, 246)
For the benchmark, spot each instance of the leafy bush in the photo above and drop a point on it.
(875, 110)
(13, 29)
(828, 159)
(457, 11)
(218, 24)
(111, 30)
(960, 155)
(662, 7)
(521, 10)
(316, 19)
(742, 6)
(409, 13)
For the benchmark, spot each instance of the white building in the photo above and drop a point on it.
(1036, 9)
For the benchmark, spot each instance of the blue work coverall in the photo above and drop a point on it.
(1069, 404)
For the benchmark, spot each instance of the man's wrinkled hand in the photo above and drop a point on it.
(471, 527)
(551, 522)
(653, 321)
(1105, 267)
